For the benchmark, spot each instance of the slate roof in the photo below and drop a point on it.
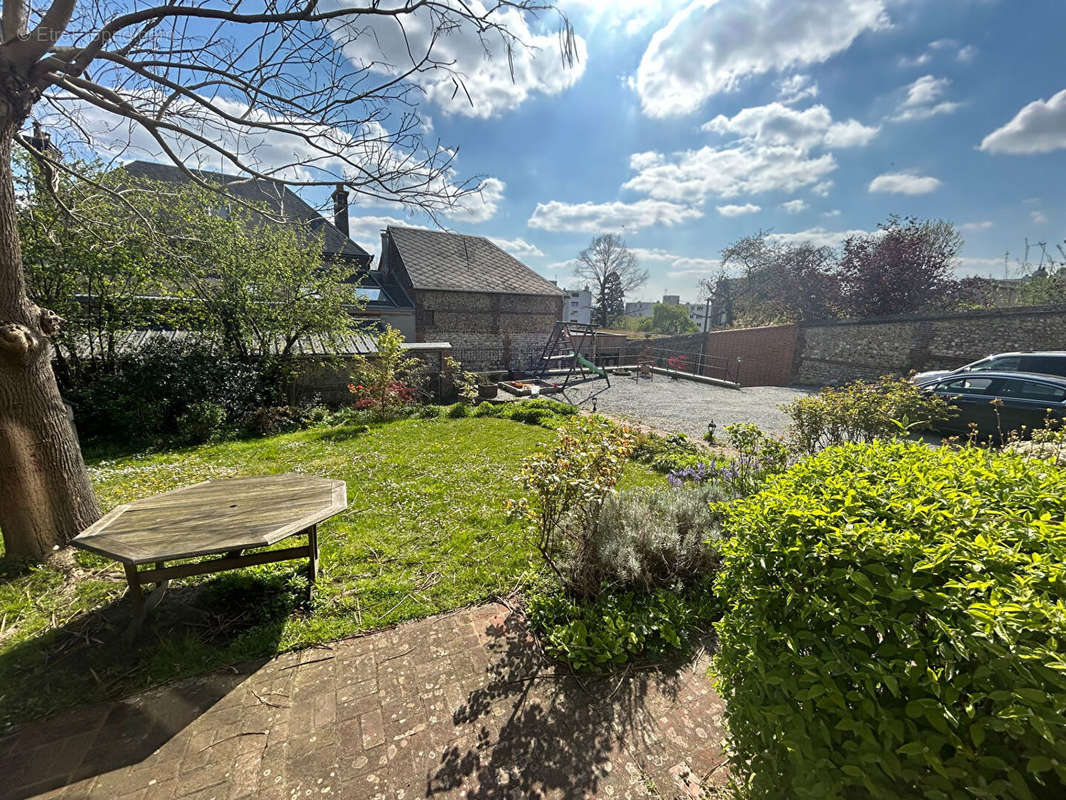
(279, 197)
(458, 263)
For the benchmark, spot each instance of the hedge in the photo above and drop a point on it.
(895, 626)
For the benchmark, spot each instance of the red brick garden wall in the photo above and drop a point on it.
(766, 354)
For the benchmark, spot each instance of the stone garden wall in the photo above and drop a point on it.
(843, 350)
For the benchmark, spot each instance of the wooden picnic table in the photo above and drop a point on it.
(210, 518)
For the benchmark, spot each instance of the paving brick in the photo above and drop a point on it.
(458, 705)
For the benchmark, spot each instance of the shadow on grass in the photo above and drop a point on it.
(561, 732)
(90, 659)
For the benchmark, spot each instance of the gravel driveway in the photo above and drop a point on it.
(687, 406)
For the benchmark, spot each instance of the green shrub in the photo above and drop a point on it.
(652, 538)
(458, 411)
(149, 390)
(202, 421)
(894, 626)
(862, 412)
(621, 626)
(569, 485)
(668, 453)
(430, 411)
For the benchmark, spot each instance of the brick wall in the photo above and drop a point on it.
(438, 314)
(758, 356)
(839, 351)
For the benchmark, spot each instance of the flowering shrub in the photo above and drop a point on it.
(570, 484)
(387, 379)
(395, 393)
(759, 457)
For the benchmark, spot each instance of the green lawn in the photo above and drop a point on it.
(425, 532)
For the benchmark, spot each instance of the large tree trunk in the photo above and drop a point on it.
(45, 494)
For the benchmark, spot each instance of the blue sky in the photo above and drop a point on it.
(688, 124)
(915, 86)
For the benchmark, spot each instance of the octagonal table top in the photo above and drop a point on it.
(214, 517)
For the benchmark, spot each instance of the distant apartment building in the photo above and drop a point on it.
(671, 299)
(639, 308)
(577, 306)
(697, 313)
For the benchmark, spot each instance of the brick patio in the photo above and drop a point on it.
(459, 705)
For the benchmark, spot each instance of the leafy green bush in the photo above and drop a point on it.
(621, 626)
(152, 392)
(458, 411)
(862, 412)
(894, 620)
(668, 453)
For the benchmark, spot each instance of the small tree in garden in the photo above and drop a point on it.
(464, 381)
(388, 379)
(570, 484)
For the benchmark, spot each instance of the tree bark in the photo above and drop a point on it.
(45, 494)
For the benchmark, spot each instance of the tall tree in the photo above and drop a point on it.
(233, 84)
(907, 265)
(777, 282)
(605, 257)
(611, 305)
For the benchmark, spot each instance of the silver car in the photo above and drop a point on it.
(1046, 362)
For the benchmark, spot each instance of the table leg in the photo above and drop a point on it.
(312, 547)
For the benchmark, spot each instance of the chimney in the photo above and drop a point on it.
(340, 209)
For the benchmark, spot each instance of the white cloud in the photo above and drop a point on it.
(778, 124)
(519, 248)
(833, 213)
(822, 188)
(711, 45)
(1039, 127)
(983, 225)
(482, 79)
(604, 217)
(795, 88)
(904, 183)
(737, 211)
(794, 206)
(772, 153)
(675, 264)
(923, 100)
(964, 54)
(818, 237)
(967, 266)
(1038, 217)
(691, 175)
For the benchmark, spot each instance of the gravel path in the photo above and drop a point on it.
(687, 406)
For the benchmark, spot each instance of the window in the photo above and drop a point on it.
(1046, 365)
(368, 293)
(967, 386)
(1032, 390)
(1006, 364)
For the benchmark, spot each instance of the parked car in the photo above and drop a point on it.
(1048, 362)
(1026, 400)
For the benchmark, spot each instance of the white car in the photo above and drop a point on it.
(1047, 362)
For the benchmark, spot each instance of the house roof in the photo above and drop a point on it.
(458, 263)
(275, 194)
